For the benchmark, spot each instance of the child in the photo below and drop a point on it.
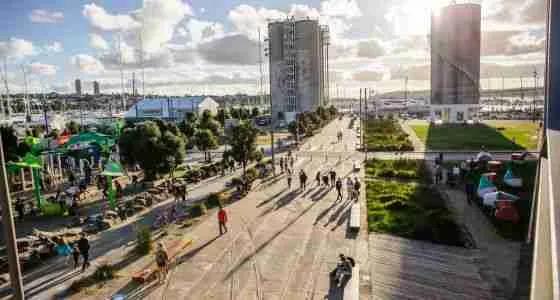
(76, 255)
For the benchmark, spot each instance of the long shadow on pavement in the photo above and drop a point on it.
(134, 290)
(273, 237)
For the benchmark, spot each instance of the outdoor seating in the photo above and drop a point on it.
(355, 216)
(352, 287)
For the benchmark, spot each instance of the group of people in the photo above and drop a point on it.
(287, 163)
(79, 248)
(330, 179)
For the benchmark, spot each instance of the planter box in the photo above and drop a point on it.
(155, 183)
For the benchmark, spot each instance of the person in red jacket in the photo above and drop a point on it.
(222, 220)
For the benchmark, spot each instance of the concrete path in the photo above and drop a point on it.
(501, 255)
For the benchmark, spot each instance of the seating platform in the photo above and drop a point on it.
(355, 216)
(352, 287)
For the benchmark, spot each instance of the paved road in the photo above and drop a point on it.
(281, 243)
(52, 277)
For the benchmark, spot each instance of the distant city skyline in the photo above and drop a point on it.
(211, 47)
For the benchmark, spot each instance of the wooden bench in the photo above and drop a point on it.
(174, 248)
(355, 216)
(352, 287)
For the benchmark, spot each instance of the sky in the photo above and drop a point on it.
(212, 46)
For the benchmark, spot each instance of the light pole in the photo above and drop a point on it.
(9, 230)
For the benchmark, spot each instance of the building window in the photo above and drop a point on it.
(460, 116)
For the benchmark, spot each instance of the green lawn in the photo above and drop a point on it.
(409, 209)
(494, 135)
(386, 135)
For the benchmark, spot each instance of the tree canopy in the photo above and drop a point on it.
(243, 143)
(157, 149)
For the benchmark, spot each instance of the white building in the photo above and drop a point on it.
(174, 109)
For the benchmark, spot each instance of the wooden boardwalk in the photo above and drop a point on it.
(409, 269)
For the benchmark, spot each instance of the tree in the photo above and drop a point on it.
(243, 143)
(255, 112)
(205, 140)
(223, 114)
(333, 111)
(187, 128)
(73, 127)
(207, 121)
(157, 151)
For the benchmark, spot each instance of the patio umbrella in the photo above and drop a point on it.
(33, 162)
(112, 169)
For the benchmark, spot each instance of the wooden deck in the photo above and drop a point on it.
(408, 269)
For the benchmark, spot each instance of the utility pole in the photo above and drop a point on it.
(535, 74)
(368, 94)
(5, 79)
(521, 90)
(502, 96)
(9, 231)
(123, 105)
(267, 53)
(361, 122)
(406, 95)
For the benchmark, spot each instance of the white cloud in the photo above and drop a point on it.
(44, 16)
(248, 20)
(42, 69)
(98, 42)
(159, 18)
(87, 63)
(302, 11)
(55, 47)
(17, 48)
(233, 49)
(100, 19)
(340, 8)
(202, 30)
(371, 49)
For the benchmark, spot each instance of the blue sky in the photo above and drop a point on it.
(210, 45)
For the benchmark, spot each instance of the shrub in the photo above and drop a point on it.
(144, 240)
(251, 175)
(104, 272)
(237, 181)
(198, 210)
(213, 200)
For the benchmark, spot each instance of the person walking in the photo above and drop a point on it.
(63, 249)
(291, 162)
(289, 177)
(302, 179)
(282, 164)
(357, 186)
(76, 255)
(222, 220)
(338, 186)
(438, 174)
(332, 173)
(83, 246)
(318, 178)
(162, 261)
(350, 188)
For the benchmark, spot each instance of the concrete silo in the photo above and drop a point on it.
(298, 55)
(455, 62)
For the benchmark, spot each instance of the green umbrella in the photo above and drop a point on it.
(112, 169)
(33, 162)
